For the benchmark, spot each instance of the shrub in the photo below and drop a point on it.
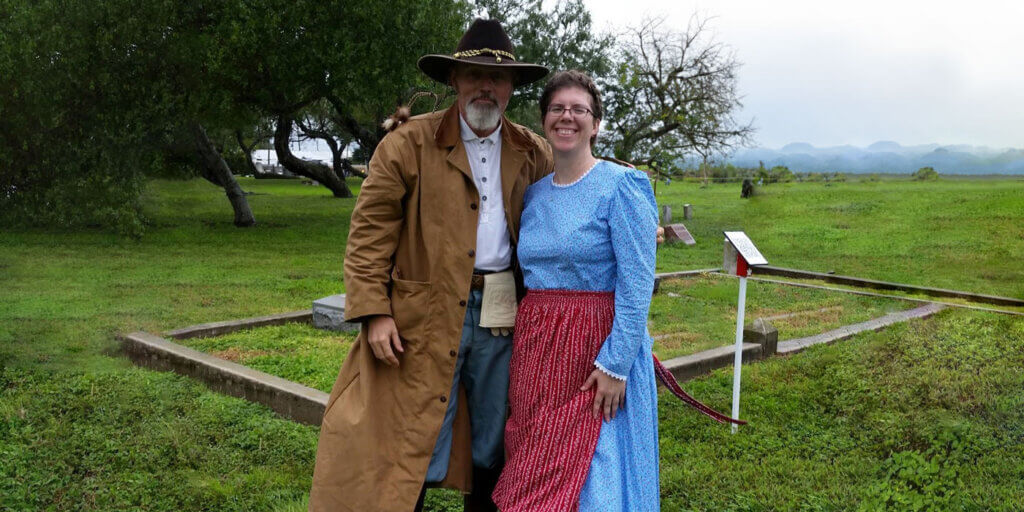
(925, 174)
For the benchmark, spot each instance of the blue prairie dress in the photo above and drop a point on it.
(597, 234)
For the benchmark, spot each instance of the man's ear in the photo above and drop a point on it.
(451, 79)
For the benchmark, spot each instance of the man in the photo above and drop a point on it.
(422, 397)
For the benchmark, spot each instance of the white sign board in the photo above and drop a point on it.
(745, 247)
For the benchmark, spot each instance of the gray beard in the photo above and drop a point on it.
(482, 117)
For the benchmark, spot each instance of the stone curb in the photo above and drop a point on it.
(658, 278)
(876, 324)
(687, 367)
(287, 398)
(307, 405)
(220, 328)
(885, 285)
(684, 368)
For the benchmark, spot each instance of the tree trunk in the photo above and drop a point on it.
(216, 170)
(319, 172)
(351, 170)
(247, 150)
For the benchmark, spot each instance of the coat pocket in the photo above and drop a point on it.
(410, 305)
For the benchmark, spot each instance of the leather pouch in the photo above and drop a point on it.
(498, 309)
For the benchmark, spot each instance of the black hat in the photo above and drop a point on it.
(485, 43)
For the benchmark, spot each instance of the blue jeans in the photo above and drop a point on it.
(482, 367)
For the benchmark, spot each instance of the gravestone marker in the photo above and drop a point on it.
(666, 214)
(763, 333)
(687, 212)
(329, 314)
(678, 233)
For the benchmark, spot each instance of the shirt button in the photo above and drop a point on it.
(484, 198)
(472, 206)
(484, 160)
(462, 303)
(484, 179)
(453, 353)
(471, 253)
(443, 399)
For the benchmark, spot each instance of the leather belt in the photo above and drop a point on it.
(477, 283)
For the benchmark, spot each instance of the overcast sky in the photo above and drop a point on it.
(855, 72)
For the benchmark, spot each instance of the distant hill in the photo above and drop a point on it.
(886, 157)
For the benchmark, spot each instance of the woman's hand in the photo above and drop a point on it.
(611, 394)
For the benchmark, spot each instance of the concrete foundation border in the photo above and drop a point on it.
(289, 399)
(211, 329)
(306, 405)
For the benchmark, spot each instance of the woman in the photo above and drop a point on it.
(583, 432)
(581, 351)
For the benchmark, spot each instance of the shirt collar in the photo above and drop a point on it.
(469, 135)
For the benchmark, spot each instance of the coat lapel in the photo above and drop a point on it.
(447, 136)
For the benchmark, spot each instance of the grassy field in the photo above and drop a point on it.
(963, 234)
(81, 429)
(689, 315)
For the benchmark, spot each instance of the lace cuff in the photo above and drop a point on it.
(608, 372)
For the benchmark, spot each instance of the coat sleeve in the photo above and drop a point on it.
(632, 221)
(373, 233)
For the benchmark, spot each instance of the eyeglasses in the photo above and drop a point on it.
(576, 110)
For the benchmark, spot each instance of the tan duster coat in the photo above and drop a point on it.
(410, 255)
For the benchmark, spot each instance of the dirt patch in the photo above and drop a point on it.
(816, 317)
(678, 340)
(235, 355)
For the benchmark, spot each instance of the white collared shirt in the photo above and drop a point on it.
(493, 247)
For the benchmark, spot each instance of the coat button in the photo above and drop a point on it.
(471, 253)
(443, 399)
(453, 353)
(472, 206)
(462, 303)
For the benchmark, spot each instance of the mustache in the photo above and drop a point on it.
(484, 96)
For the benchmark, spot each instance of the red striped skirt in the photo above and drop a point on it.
(551, 433)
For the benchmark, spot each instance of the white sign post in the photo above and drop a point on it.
(740, 255)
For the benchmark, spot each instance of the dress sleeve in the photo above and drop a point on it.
(632, 220)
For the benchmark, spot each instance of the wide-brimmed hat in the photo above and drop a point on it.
(485, 43)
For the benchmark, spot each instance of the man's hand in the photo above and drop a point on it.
(660, 232)
(382, 336)
(611, 394)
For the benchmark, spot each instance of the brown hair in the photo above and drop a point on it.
(572, 78)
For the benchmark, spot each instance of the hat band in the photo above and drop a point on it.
(498, 54)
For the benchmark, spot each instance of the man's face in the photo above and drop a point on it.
(483, 93)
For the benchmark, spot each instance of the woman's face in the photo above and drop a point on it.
(570, 132)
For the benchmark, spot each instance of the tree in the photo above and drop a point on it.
(376, 72)
(99, 100)
(673, 96)
(562, 37)
(925, 174)
(70, 152)
(325, 175)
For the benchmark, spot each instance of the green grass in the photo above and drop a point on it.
(928, 412)
(81, 429)
(698, 313)
(295, 351)
(689, 315)
(959, 234)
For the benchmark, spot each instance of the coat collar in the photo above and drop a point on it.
(514, 147)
